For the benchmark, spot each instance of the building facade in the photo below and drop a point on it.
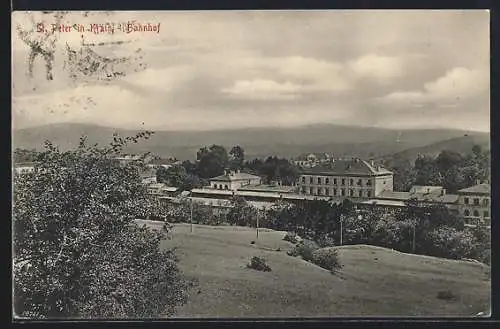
(233, 180)
(340, 179)
(474, 204)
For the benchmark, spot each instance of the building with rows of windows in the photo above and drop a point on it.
(474, 204)
(339, 179)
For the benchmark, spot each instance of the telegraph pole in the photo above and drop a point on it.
(191, 213)
(341, 230)
(413, 244)
(258, 216)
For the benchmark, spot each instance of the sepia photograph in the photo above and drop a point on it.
(250, 164)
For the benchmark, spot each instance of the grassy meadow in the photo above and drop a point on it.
(373, 282)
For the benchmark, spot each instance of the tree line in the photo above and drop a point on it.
(212, 161)
(449, 169)
(417, 228)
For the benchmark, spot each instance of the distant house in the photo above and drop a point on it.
(24, 168)
(312, 159)
(233, 180)
(340, 179)
(161, 189)
(474, 204)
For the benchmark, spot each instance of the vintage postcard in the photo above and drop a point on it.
(251, 164)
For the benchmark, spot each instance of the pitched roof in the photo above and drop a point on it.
(422, 197)
(479, 189)
(234, 177)
(352, 167)
(268, 188)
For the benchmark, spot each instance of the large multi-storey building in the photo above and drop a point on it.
(353, 179)
(474, 204)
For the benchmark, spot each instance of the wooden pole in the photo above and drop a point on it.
(258, 216)
(413, 244)
(341, 230)
(191, 215)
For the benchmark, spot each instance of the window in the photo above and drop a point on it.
(304, 190)
(343, 181)
(360, 193)
(359, 182)
(342, 192)
(319, 180)
(351, 182)
(335, 181)
(476, 201)
(485, 202)
(486, 214)
(476, 213)
(311, 191)
(311, 180)
(327, 180)
(335, 191)
(351, 192)
(466, 200)
(226, 187)
(320, 191)
(368, 183)
(466, 212)
(369, 193)
(303, 180)
(327, 191)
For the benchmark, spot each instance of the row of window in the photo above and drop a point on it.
(334, 192)
(335, 181)
(476, 201)
(475, 213)
(220, 187)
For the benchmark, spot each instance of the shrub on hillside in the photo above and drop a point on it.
(325, 241)
(259, 264)
(305, 249)
(292, 238)
(327, 258)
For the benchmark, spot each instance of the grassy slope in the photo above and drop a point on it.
(374, 281)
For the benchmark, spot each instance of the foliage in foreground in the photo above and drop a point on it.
(77, 251)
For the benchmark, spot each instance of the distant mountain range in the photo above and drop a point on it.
(461, 145)
(261, 142)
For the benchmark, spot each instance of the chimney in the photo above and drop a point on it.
(372, 163)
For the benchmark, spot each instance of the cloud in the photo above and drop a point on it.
(302, 75)
(377, 67)
(230, 66)
(457, 84)
(105, 104)
(263, 90)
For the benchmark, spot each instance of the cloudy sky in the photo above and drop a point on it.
(212, 70)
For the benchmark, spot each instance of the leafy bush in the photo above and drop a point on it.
(305, 249)
(292, 237)
(258, 264)
(328, 259)
(77, 251)
(325, 241)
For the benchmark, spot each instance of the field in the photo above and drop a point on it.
(373, 282)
